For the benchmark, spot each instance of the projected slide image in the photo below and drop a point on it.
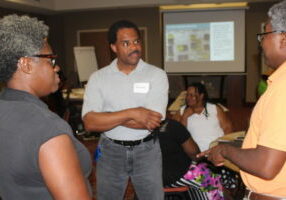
(187, 42)
(199, 42)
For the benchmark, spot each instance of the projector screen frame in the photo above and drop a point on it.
(221, 67)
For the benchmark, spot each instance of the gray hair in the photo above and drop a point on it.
(277, 15)
(19, 36)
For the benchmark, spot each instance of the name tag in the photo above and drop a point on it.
(142, 88)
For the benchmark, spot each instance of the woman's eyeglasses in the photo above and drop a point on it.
(260, 36)
(52, 57)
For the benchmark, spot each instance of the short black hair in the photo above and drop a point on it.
(114, 28)
(201, 88)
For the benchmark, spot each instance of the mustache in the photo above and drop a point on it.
(133, 52)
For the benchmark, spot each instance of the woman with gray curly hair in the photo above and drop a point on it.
(40, 158)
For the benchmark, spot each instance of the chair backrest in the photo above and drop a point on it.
(177, 189)
(176, 193)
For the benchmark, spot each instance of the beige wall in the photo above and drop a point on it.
(256, 14)
(143, 17)
(63, 29)
(70, 23)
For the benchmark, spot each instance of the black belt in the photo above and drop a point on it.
(132, 142)
(258, 196)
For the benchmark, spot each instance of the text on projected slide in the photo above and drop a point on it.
(200, 42)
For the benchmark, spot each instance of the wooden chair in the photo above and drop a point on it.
(177, 193)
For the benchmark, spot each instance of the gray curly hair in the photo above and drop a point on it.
(19, 36)
(277, 15)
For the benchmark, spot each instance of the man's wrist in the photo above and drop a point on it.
(227, 150)
(130, 113)
(224, 150)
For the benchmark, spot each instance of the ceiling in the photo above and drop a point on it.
(52, 6)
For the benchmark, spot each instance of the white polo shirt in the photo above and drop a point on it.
(110, 90)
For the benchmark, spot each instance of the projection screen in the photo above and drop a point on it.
(204, 41)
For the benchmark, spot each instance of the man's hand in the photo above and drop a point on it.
(215, 155)
(148, 118)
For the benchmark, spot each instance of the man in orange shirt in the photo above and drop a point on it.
(263, 154)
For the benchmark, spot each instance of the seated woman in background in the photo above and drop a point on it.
(205, 121)
(179, 169)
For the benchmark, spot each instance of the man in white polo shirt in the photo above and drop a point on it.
(125, 101)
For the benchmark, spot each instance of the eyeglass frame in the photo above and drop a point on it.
(260, 35)
(52, 57)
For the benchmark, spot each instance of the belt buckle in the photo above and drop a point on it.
(130, 146)
(132, 143)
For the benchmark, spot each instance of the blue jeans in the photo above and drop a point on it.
(142, 163)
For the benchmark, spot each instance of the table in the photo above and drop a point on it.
(73, 94)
